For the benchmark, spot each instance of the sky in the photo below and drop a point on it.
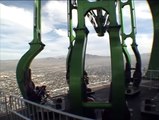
(16, 29)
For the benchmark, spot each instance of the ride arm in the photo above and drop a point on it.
(36, 46)
(71, 6)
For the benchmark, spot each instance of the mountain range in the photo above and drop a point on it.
(91, 60)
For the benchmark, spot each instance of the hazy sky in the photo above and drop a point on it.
(16, 29)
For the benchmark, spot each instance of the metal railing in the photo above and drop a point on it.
(152, 78)
(22, 109)
(16, 108)
(152, 74)
(3, 103)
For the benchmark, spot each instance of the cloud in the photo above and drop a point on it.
(16, 31)
(145, 42)
(142, 10)
(9, 53)
(17, 15)
(98, 45)
(61, 32)
(56, 12)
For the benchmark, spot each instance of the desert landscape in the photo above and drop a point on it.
(52, 71)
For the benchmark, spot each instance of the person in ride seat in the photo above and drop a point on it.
(31, 93)
(86, 81)
(40, 90)
(35, 94)
(42, 93)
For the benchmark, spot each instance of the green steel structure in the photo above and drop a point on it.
(23, 72)
(103, 16)
(136, 79)
(154, 7)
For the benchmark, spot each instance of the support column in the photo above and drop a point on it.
(76, 83)
(117, 66)
(154, 58)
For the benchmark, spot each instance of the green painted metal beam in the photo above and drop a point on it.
(118, 84)
(77, 61)
(154, 58)
(71, 38)
(97, 105)
(133, 32)
(76, 71)
(36, 46)
(137, 73)
(123, 34)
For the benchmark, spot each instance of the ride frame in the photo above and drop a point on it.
(77, 54)
(78, 43)
(23, 71)
(77, 51)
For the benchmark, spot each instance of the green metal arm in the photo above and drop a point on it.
(77, 60)
(70, 7)
(154, 7)
(137, 73)
(36, 46)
